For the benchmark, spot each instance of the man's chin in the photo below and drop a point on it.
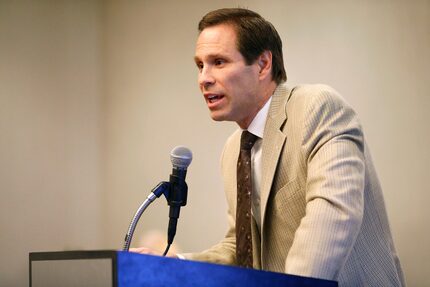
(218, 118)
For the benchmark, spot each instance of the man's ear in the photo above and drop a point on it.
(265, 64)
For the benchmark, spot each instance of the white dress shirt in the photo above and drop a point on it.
(257, 128)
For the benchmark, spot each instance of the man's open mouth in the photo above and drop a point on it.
(214, 98)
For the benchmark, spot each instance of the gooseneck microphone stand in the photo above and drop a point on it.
(161, 188)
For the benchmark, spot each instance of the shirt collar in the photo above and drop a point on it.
(257, 125)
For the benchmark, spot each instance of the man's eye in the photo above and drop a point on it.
(199, 66)
(219, 62)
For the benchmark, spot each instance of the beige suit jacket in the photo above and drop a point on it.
(322, 208)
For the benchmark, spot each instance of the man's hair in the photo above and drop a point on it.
(254, 36)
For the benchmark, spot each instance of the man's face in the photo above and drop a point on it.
(229, 85)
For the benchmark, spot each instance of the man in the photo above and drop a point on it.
(311, 203)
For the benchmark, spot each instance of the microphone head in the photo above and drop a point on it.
(181, 157)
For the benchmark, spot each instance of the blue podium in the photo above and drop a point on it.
(124, 269)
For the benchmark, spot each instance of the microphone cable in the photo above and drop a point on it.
(167, 249)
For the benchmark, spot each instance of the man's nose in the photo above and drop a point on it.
(206, 78)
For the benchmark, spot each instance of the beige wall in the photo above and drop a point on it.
(94, 95)
(50, 131)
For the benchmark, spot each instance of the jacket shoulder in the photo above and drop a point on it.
(317, 95)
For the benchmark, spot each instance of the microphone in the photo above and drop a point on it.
(181, 158)
(175, 191)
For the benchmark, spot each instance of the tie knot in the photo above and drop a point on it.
(247, 140)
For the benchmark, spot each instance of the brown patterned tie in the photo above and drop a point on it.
(243, 209)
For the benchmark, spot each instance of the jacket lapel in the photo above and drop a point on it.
(273, 142)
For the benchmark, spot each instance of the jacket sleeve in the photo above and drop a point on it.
(332, 150)
(225, 251)
(222, 253)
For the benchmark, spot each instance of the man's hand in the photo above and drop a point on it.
(149, 251)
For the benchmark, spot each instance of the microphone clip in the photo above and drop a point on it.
(177, 193)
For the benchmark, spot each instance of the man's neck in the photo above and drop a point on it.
(266, 94)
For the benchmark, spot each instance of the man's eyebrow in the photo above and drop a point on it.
(210, 57)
